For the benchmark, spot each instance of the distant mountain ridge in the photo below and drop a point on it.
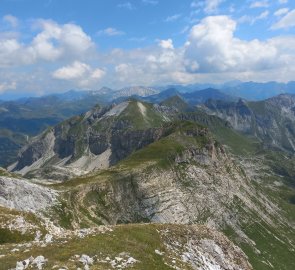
(247, 90)
(26, 117)
(271, 120)
(259, 91)
(193, 98)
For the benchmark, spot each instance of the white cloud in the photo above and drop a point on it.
(260, 4)
(212, 52)
(204, 57)
(52, 43)
(11, 20)
(286, 22)
(152, 65)
(205, 53)
(172, 18)
(166, 44)
(74, 71)
(283, 1)
(281, 11)
(97, 73)
(80, 72)
(110, 31)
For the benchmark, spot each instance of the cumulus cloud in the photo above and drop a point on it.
(73, 71)
(212, 47)
(166, 44)
(53, 42)
(286, 22)
(151, 65)
(283, 1)
(78, 71)
(212, 52)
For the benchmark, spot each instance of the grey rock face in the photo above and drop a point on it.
(25, 196)
(197, 188)
(272, 121)
(124, 143)
(39, 148)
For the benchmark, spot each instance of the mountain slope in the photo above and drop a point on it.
(141, 188)
(28, 117)
(141, 247)
(201, 96)
(94, 140)
(272, 120)
(171, 169)
(186, 177)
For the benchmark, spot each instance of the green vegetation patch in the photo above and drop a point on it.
(13, 236)
(138, 241)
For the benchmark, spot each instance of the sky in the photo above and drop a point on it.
(55, 45)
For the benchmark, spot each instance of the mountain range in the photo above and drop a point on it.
(171, 163)
(27, 117)
(197, 180)
(252, 91)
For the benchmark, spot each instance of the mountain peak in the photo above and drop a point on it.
(176, 102)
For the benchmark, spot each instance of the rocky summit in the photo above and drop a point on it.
(146, 185)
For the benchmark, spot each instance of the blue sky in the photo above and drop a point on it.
(55, 45)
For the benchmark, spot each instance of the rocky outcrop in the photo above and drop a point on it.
(163, 247)
(22, 195)
(272, 121)
(200, 185)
